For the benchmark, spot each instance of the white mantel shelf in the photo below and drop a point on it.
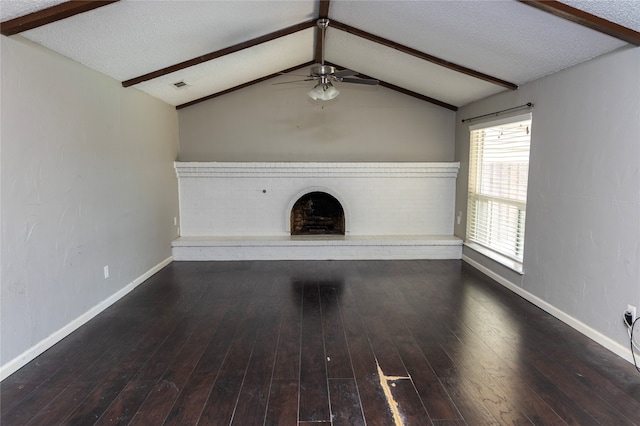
(286, 169)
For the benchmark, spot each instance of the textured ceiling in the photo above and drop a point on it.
(505, 39)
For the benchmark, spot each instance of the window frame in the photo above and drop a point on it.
(514, 257)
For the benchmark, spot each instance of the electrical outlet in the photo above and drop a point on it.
(632, 310)
(106, 272)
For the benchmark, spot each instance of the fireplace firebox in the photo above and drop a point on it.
(317, 213)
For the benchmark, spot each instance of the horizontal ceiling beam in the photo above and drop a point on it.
(226, 51)
(49, 15)
(242, 86)
(586, 19)
(421, 55)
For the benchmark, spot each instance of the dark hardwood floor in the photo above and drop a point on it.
(323, 343)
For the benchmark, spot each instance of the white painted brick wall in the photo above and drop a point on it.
(227, 199)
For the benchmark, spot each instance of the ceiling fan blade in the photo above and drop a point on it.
(368, 81)
(293, 81)
(345, 73)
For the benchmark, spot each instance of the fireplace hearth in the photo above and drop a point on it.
(317, 213)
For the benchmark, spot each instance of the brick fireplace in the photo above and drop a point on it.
(316, 211)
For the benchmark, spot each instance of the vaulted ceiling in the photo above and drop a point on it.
(450, 52)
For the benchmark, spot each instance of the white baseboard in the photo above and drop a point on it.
(615, 347)
(30, 354)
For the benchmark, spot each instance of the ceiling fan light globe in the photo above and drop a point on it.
(324, 94)
(330, 93)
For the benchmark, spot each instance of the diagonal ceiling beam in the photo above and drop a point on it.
(410, 93)
(323, 13)
(241, 86)
(586, 19)
(226, 51)
(49, 15)
(422, 55)
(416, 95)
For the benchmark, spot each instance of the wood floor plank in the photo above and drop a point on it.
(223, 397)
(126, 404)
(567, 382)
(374, 403)
(157, 405)
(157, 364)
(216, 351)
(385, 351)
(252, 401)
(593, 379)
(59, 408)
(97, 402)
(13, 393)
(189, 404)
(81, 349)
(338, 358)
(287, 364)
(345, 403)
(282, 408)
(40, 397)
(183, 365)
(314, 392)
(466, 399)
(252, 405)
(485, 388)
(434, 396)
(409, 406)
(221, 404)
(114, 352)
(147, 347)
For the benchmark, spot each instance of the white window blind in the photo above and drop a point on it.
(498, 174)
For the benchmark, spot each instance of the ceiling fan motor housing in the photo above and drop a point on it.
(320, 70)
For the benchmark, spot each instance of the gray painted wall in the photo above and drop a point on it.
(87, 180)
(267, 122)
(582, 244)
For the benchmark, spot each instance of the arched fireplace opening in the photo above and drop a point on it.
(317, 213)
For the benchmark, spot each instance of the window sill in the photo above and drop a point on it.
(503, 260)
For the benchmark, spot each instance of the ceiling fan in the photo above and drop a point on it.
(325, 75)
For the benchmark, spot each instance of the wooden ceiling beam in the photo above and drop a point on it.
(418, 95)
(409, 92)
(586, 19)
(324, 9)
(242, 86)
(226, 51)
(421, 55)
(49, 15)
(322, 13)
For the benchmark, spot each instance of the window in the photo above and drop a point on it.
(498, 172)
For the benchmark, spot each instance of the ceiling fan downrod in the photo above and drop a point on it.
(323, 23)
(322, 69)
